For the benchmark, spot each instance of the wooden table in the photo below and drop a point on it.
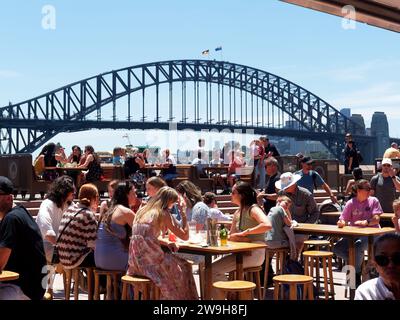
(383, 216)
(69, 169)
(8, 275)
(351, 233)
(236, 248)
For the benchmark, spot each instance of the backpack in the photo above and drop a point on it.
(295, 267)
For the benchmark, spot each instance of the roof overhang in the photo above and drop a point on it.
(379, 13)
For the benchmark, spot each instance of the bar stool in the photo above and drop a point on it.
(112, 290)
(141, 285)
(77, 275)
(252, 274)
(280, 260)
(311, 260)
(243, 288)
(293, 280)
(317, 244)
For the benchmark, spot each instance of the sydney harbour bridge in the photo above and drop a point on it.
(193, 94)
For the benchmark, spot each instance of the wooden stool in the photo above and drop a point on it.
(293, 280)
(251, 274)
(113, 277)
(311, 260)
(280, 260)
(244, 288)
(76, 274)
(141, 285)
(317, 244)
(8, 275)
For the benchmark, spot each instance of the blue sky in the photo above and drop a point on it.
(349, 68)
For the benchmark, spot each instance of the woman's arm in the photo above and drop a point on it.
(263, 224)
(128, 216)
(181, 231)
(396, 223)
(236, 216)
(88, 160)
(350, 184)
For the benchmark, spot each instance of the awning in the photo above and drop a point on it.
(379, 13)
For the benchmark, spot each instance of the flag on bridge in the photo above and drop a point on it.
(206, 52)
(218, 48)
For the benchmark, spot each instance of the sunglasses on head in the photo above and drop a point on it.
(383, 261)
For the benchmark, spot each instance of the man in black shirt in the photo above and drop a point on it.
(21, 244)
(270, 149)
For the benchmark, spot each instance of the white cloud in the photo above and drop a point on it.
(9, 74)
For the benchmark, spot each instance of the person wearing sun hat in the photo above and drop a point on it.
(304, 208)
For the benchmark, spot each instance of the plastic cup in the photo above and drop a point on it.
(172, 237)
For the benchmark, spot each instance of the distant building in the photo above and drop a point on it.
(346, 112)
(380, 129)
(358, 118)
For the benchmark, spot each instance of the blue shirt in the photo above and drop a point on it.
(310, 181)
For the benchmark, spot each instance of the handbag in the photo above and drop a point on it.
(55, 259)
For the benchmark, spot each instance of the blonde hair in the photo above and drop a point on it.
(87, 193)
(286, 199)
(157, 205)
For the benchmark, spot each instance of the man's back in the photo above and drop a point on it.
(304, 208)
(20, 233)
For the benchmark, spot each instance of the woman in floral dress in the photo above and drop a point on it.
(171, 274)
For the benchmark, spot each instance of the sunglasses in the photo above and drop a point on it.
(383, 261)
(365, 188)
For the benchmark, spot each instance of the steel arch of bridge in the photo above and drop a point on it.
(27, 125)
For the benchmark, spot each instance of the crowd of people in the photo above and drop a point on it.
(123, 233)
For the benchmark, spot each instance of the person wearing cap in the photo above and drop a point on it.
(21, 244)
(310, 179)
(385, 184)
(304, 209)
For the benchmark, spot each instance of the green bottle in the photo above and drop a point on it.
(223, 235)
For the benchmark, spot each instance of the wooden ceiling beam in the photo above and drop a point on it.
(380, 13)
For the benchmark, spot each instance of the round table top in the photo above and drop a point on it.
(234, 285)
(8, 275)
(317, 254)
(292, 278)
